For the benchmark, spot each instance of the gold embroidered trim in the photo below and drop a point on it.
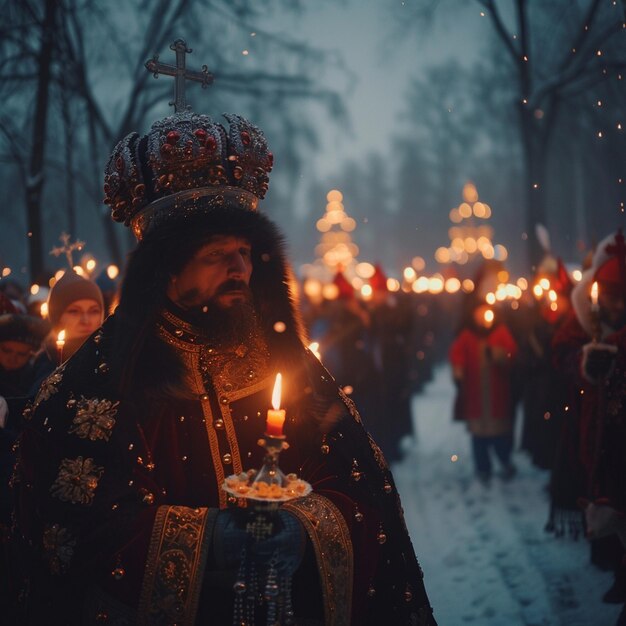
(176, 321)
(330, 537)
(252, 389)
(176, 342)
(77, 481)
(94, 418)
(215, 450)
(175, 565)
(379, 457)
(349, 402)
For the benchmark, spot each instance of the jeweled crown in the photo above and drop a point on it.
(185, 156)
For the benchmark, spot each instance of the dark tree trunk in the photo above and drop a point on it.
(68, 129)
(35, 181)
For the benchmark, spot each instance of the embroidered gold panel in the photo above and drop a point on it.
(175, 565)
(333, 550)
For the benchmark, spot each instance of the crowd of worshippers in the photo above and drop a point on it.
(561, 360)
(381, 351)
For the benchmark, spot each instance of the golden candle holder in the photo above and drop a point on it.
(265, 489)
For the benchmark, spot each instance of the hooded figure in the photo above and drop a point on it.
(123, 461)
(590, 353)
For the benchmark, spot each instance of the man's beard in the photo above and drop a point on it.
(225, 325)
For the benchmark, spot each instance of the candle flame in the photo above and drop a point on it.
(594, 292)
(61, 336)
(489, 316)
(277, 392)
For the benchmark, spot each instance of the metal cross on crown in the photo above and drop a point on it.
(181, 74)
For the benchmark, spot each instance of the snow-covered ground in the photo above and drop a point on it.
(486, 558)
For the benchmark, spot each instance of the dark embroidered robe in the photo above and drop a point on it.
(116, 499)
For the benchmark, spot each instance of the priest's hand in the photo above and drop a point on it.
(598, 359)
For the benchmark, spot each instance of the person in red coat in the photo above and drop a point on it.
(481, 357)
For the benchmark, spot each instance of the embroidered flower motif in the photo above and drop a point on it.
(77, 480)
(49, 386)
(58, 546)
(94, 419)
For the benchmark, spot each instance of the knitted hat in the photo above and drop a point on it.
(23, 328)
(69, 288)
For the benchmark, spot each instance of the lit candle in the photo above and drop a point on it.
(489, 317)
(275, 416)
(60, 344)
(594, 297)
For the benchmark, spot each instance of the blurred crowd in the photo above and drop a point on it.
(554, 355)
(559, 355)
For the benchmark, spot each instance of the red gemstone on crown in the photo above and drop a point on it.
(173, 136)
(200, 133)
(245, 138)
(210, 143)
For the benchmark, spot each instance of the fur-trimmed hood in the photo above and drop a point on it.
(580, 294)
(164, 252)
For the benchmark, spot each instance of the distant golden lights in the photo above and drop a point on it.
(336, 248)
(418, 263)
(364, 270)
(330, 291)
(409, 274)
(468, 285)
(469, 239)
(393, 285)
(113, 271)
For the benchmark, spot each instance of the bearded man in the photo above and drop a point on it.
(121, 510)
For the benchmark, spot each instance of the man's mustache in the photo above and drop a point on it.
(233, 284)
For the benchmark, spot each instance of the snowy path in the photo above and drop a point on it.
(486, 558)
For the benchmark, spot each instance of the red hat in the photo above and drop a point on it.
(612, 272)
(562, 283)
(378, 281)
(346, 291)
